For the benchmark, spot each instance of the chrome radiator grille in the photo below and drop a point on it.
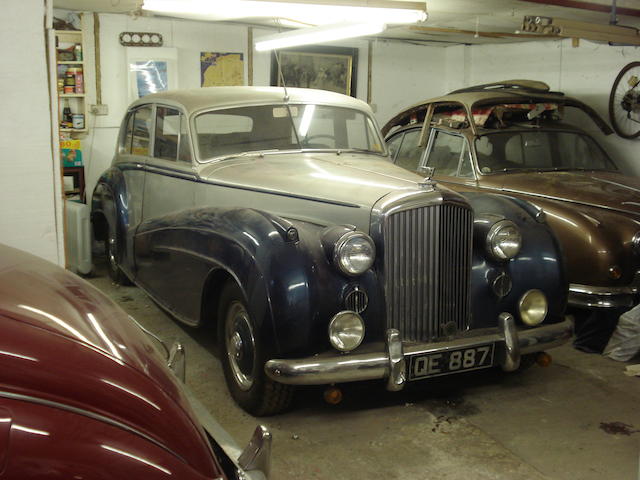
(427, 264)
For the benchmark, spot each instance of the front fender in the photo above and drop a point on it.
(280, 266)
(539, 264)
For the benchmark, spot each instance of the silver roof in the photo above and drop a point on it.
(193, 100)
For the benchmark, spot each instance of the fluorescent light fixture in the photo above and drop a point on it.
(315, 35)
(304, 11)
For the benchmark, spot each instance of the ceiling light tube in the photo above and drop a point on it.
(315, 35)
(303, 11)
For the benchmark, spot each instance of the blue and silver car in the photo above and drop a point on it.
(277, 216)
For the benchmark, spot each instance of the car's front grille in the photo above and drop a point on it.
(427, 262)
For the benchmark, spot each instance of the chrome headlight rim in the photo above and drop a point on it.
(339, 250)
(635, 243)
(496, 250)
(537, 317)
(346, 331)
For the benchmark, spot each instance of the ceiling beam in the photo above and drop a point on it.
(457, 31)
(594, 7)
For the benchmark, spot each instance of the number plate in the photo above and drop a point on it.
(452, 361)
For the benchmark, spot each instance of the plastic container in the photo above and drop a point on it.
(77, 120)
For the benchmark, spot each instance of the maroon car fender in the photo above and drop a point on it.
(49, 442)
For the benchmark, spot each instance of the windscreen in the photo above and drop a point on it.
(234, 131)
(540, 150)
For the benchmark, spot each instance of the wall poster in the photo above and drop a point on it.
(221, 69)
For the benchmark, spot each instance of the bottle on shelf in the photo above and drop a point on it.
(67, 116)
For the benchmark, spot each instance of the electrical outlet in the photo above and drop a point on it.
(101, 109)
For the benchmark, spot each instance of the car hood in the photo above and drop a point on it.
(350, 178)
(65, 342)
(597, 189)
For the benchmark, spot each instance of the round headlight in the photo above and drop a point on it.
(533, 307)
(504, 240)
(354, 253)
(346, 331)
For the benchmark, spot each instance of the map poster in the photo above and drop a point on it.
(221, 69)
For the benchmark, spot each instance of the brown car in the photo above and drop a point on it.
(509, 137)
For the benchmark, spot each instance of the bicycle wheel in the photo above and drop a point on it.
(624, 102)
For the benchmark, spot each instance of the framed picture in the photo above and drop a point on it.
(325, 68)
(151, 70)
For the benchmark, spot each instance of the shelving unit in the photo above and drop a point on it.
(71, 74)
(70, 55)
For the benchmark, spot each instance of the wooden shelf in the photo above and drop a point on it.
(67, 40)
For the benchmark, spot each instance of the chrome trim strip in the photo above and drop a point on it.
(276, 192)
(88, 414)
(375, 363)
(603, 291)
(165, 350)
(171, 172)
(560, 199)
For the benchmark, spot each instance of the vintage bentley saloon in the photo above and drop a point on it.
(509, 138)
(277, 215)
(85, 392)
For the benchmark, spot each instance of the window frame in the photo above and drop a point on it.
(430, 145)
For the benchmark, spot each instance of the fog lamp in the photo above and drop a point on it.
(346, 330)
(533, 307)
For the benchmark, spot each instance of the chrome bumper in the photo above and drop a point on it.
(251, 463)
(387, 361)
(587, 296)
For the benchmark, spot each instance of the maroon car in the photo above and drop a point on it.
(86, 394)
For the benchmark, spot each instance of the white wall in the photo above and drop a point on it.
(402, 73)
(586, 72)
(28, 216)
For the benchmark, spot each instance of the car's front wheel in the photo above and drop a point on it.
(243, 355)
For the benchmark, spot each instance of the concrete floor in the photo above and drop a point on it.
(577, 419)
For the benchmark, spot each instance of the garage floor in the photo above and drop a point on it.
(577, 419)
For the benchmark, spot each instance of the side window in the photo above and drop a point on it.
(184, 149)
(409, 154)
(466, 169)
(165, 145)
(141, 131)
(445, 153)
(394, 145)
(128, 135)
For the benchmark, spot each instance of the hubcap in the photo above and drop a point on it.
(240, 345)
